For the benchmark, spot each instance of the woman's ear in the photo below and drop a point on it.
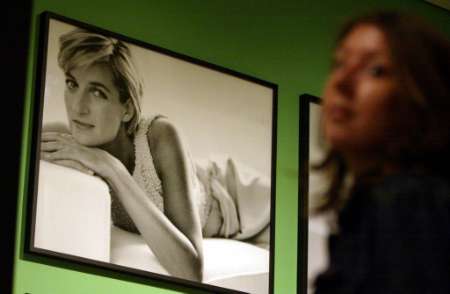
(129, 111)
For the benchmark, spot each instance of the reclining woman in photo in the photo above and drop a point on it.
(386, 119)
(156, 189)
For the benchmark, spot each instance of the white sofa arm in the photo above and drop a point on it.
(228, 263)
(73, 213)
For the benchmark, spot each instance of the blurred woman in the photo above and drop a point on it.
(386, 119)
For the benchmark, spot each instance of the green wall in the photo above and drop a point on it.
(284, 42)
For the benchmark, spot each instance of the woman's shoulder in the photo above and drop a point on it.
(408, 186)
(164, 140)
(160, 130)
(412, 198)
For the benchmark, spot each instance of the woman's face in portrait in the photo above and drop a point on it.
(93, 105)
(361, 91)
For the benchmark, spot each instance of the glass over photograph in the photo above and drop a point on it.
(153, 163)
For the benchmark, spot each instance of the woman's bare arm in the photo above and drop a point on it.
(172, 165)
(61, 128)
(174, 236)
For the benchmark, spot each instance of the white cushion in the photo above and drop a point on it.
(130, 250)
(73, 213)
(73, 217)
(227, 263)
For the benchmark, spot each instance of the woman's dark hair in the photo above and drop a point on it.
(421, 58)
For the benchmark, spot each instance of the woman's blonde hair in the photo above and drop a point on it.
(79, 48)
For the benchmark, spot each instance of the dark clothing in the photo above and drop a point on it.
(393, 238)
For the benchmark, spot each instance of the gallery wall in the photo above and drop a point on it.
(284, 42)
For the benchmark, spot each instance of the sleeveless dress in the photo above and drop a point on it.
(218, 192)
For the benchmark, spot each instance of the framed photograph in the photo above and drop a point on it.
(151, 163)
(312, 234)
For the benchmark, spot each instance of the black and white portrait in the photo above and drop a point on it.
(153, 162)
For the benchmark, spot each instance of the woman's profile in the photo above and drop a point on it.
(386, 119)
(157, 190)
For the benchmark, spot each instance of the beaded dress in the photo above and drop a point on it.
(147, 178)
(232, 201)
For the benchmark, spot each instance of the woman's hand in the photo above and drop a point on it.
(62, 149)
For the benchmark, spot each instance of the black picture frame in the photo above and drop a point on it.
(306, 102)
(61, 259)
